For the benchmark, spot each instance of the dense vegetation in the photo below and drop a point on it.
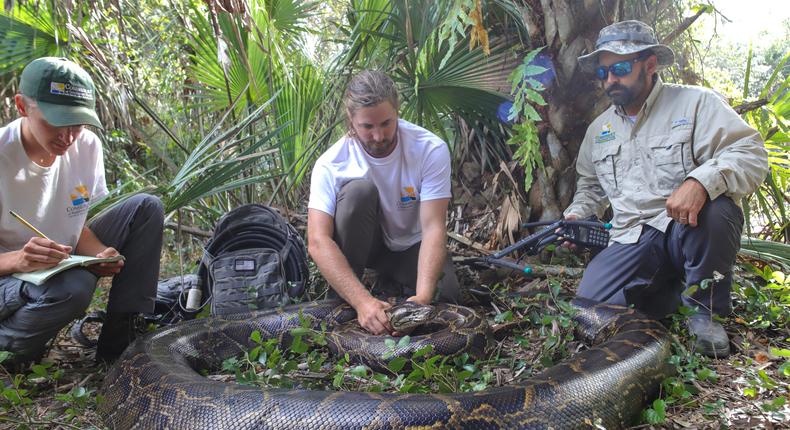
(214, 103)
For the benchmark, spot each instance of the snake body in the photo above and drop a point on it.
(156, 383)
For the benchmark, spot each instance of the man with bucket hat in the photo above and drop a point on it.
(51, 171)
(674, 162)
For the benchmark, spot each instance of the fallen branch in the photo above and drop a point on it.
(468, 242)
(194, 231)
(750, 106)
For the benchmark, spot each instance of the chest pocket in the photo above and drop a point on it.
(605, 157)
(672, 159)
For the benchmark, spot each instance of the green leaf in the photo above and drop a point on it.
(688, 292)
(389, 343)
(404, 341)
(359, 371)
(532, 70)
(12, 396)
(255, 336)
(39, 370)
(254, 353)
(503, 316)
(422, 351)
(657, 414)
(750, 392)
(774, 405)
(5, 355)
(230, 364)
(337, 381)
(766, 380)
(300, 331)
(397, 364)
(706, 374)
(298, 346)
(780, 352)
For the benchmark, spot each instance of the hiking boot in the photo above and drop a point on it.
(711, 339)
(117, 332)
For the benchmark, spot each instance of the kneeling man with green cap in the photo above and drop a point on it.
(674, 162)
(51, 171)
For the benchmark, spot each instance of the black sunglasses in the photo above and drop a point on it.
(623, 68)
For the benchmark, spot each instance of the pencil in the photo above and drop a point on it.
(28, 225)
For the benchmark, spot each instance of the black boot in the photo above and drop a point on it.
(117, 332)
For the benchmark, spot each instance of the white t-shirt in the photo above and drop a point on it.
(54, 199)
(418, 169)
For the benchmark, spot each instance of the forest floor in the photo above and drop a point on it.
(748, 389)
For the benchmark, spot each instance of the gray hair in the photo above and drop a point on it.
(369, 88)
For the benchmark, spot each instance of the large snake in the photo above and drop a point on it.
(156, 383)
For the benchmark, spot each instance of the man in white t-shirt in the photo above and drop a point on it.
(378, 199)
(51, 171)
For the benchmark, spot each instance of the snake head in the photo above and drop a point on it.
(408, 315)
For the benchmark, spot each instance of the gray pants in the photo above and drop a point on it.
(651, 273)
(358, 234)
(31, 315)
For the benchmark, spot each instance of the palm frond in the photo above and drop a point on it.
(27, 33)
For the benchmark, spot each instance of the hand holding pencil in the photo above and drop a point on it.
(39, 252)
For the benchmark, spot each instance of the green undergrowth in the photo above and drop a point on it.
(307, 363)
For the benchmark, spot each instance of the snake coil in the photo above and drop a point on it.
(156, 383)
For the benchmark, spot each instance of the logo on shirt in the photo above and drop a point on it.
(81, 197)
(79, 201)
(408, 194)
(606, 134)
(680, 122)
(408, 198)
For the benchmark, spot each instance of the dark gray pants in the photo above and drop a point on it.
(31, 315)
(651, 273)
(358, 234)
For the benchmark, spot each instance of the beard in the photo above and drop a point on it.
(622, 95)
(378, 149)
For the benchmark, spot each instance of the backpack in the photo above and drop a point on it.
(254, 260)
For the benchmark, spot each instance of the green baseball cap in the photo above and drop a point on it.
(64, 91)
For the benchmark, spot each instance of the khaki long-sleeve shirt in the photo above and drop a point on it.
(681, 132)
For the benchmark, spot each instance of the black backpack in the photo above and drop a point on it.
(254, 260)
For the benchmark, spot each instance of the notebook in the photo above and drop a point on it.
(38, 277)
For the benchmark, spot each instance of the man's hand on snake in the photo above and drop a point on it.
(372, 318)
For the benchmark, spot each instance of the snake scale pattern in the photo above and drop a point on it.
(156, 384)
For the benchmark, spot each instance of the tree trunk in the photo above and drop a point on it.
(574, 99)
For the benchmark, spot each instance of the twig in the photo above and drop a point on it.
(194, 231)
(682, 27)
(750, 106)
(70, 385)
(468, 242)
